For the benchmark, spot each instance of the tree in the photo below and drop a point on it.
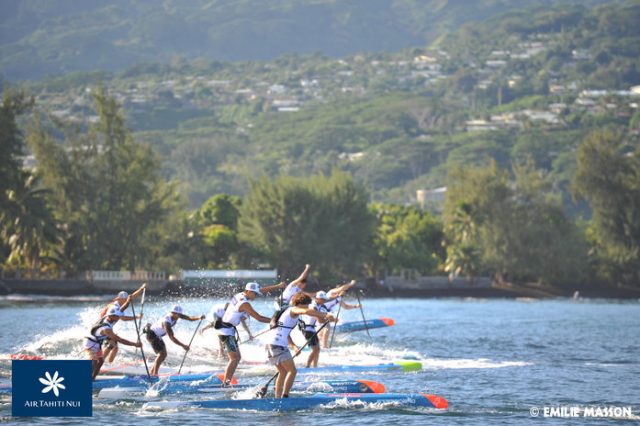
(462, 252)
(107, 190)
(515, 227)
(608, 177)
(11, 142)
(406, 238)
(217, 224)
(27, 227)
(319, 220)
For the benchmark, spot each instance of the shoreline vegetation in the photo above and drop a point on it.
(72, 289)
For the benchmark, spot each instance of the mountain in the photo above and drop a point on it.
(61, 36)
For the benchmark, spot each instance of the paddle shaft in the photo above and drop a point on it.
(253, 337)
(363, 318)
(333, 334)
(263, 390)
(187, 351)
(144, 359)
(141, 312)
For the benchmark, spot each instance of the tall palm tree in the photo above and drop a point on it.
(27, 225)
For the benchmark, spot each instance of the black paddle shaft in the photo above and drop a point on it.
(190, 342)
(144, 359)
(366, 326)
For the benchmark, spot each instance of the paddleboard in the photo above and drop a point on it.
(324, 400)
(348, 327)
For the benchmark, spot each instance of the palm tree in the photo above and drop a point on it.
(27, 225)
(462, 257)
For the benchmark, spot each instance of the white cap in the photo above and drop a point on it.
(255, 287)
(114, 311)
(322, 295)
(177, 309)
(123, 295)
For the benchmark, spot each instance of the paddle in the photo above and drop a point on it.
(255, 335)
(263, 390)
(135, 322)
(144, 291)
(190, 341)
(333, 334)
(363, 318)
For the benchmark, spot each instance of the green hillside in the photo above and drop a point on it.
(57, 37)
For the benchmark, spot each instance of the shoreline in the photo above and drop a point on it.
(83, 290)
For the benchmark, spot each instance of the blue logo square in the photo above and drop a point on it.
(51, 388)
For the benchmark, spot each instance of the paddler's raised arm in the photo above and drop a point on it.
(130, 297)
(270, 288)
(139, 291)
(303, 276)
(342, 288)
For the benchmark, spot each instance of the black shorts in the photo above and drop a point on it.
(230, 343)
(312, 337)
(156, 342)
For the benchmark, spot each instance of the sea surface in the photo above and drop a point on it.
(493, 360)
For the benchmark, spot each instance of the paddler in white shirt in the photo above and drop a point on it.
(99, 334)
(121, 303)
(277, 341)
(215, 317)
(336, 299)
(308, 326)
(239, 306)
(164, 327)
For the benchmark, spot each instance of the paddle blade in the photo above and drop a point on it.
(261, 392)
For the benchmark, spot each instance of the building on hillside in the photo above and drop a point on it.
(431, 196)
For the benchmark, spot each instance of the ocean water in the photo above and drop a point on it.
(493, 360)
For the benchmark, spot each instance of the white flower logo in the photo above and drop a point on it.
(52, 383)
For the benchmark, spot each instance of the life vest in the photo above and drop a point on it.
(308, 322)
(158, 328)
(279, 335)
(95, 335)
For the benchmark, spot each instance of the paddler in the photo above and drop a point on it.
(295, 286)
(215, 317)
(308, 327)
(100, 332)
(121, 302)
(239, 307)
(163, 327)
(277, 348)
(336, 299)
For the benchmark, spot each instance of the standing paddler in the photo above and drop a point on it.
(237, 309)
(308, 326)
(277, 347)
(336, 300)
(215, 321)
(164, 327)
(121, 303)
(100, 332)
